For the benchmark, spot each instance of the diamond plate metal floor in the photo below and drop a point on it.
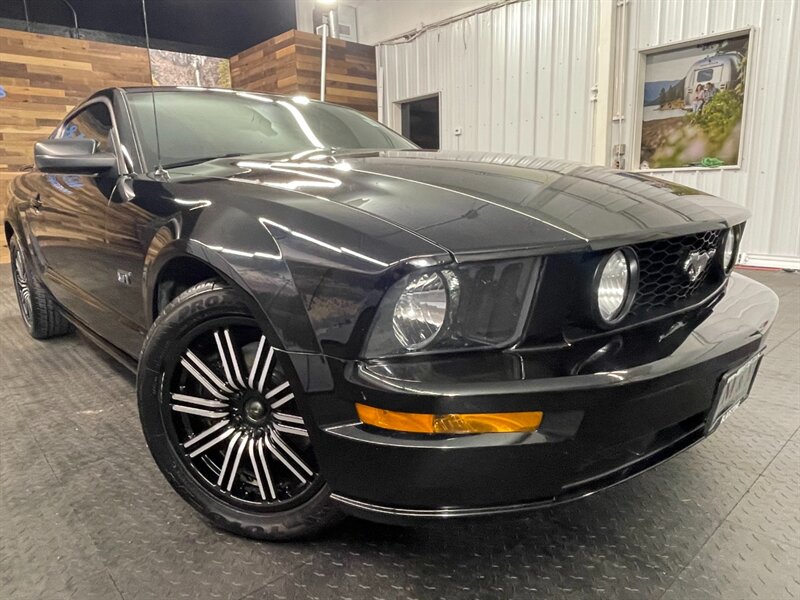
(84, 513)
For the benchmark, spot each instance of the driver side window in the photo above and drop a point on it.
(93, 122)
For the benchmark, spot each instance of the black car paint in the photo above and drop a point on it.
(606, 419)
(313, 266)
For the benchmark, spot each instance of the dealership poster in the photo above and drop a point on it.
(179, 68)
(693, 105)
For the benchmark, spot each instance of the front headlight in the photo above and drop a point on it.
(421, 309)
(461, 306)
(615, 285)
(728, 258)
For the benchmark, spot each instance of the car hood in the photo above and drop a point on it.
(478, 203)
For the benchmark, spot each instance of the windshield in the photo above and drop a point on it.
(204, 124)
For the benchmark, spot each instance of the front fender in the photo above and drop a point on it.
(258, 270)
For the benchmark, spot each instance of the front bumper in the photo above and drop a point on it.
(613, 407)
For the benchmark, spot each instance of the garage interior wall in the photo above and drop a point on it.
(381, 19)
(289, 63)
(516, 79)
(526, 77)
(43, 78)
(393, 17)
(768, 182)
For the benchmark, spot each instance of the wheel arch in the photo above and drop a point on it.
(177, 269)
(267, 290)
(178, 274)
(12, 225)
(8, 230)
(295, 338)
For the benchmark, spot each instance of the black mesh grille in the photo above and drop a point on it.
(564, 307)
(663, 280)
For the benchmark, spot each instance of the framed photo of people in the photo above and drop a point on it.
(692, 103)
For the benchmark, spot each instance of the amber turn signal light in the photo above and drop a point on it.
(462, 423)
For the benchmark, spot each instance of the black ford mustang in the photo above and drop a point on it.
(326, 319)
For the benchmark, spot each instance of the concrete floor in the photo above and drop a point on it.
(84, 513)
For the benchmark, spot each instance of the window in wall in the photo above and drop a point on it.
(420, 121)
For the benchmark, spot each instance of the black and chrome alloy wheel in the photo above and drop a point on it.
(234, 418)
(224, 421)
(21, 286)
(40, 313)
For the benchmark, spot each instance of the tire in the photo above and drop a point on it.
(207, 372)
(40, 313)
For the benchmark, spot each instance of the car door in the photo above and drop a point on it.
(134, 223)
(70, 221)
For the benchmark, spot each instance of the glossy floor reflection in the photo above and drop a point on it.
(84, 513)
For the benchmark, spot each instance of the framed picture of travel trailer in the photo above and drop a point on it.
(691, 107)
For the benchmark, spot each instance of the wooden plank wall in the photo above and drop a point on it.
(44, 77)
(267, 67)
(290, 64)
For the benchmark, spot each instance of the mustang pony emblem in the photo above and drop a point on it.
(696, 263)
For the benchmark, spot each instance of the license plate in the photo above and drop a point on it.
(733, 389)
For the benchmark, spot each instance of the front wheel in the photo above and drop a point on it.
(219, 413)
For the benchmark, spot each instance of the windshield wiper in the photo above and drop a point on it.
(197, 161)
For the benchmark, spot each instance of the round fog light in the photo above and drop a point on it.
(615, 284)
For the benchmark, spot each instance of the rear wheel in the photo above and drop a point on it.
(218, 408)
(40, 313)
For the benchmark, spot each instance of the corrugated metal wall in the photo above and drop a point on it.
(514, 79)
(768, 182)
(518, 79)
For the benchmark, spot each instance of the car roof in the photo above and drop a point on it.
(195, 89)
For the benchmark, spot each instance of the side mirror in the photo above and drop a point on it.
(72, 156)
